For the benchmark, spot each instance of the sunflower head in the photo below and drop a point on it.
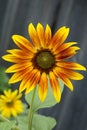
(10, 103)
(43, 58)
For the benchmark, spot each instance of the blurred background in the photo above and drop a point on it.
(15, 15)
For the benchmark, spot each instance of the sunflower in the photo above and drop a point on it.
(43, 58)
(10, 103)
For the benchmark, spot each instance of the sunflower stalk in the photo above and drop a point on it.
(31, 112)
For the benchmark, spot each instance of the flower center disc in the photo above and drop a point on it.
(45, 59)
(9, 103)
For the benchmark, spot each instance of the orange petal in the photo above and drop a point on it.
(18, 76)
(17, 56)
(41, 34)
(55, 86)
(48, 35)
(64, 47)
(70, 74)
(18, 67)
(27, 80)
(59, 37)
(33, 35)
(23, 84)
(67, 82)
(43, 87)
(23, 43)
(67, 53)
(71, 65)
(21, 54)
(64, 78)
(33, 82)
(11, 58)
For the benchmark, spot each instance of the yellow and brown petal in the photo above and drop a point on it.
(43, 58)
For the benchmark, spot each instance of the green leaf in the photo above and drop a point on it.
(3, 119)
(15, 128)
(49, 101)
(3, 79)
(39, 122)
(22, 122)
(7, 125)
(43, 123)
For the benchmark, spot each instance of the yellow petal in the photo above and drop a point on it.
(10, 103)
(18, 106)
(7, 93)
(55, 86)
(6, 113)
(13, 112)
(15, 95)
(43, 87)
(33, 35)
(2, 97)
(18, 96)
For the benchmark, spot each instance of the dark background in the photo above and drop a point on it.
(15, 15)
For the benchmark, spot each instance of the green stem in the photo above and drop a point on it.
(30, 116)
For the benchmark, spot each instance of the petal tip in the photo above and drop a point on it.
(71, 88)
(20, 90)
(30, 25)
(59, 99)
(42, 100)
(84, 68)
(4, 57)
(13, 36)
(9, 82)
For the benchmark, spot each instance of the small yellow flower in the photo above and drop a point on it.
(43, 58)
(10, 103)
